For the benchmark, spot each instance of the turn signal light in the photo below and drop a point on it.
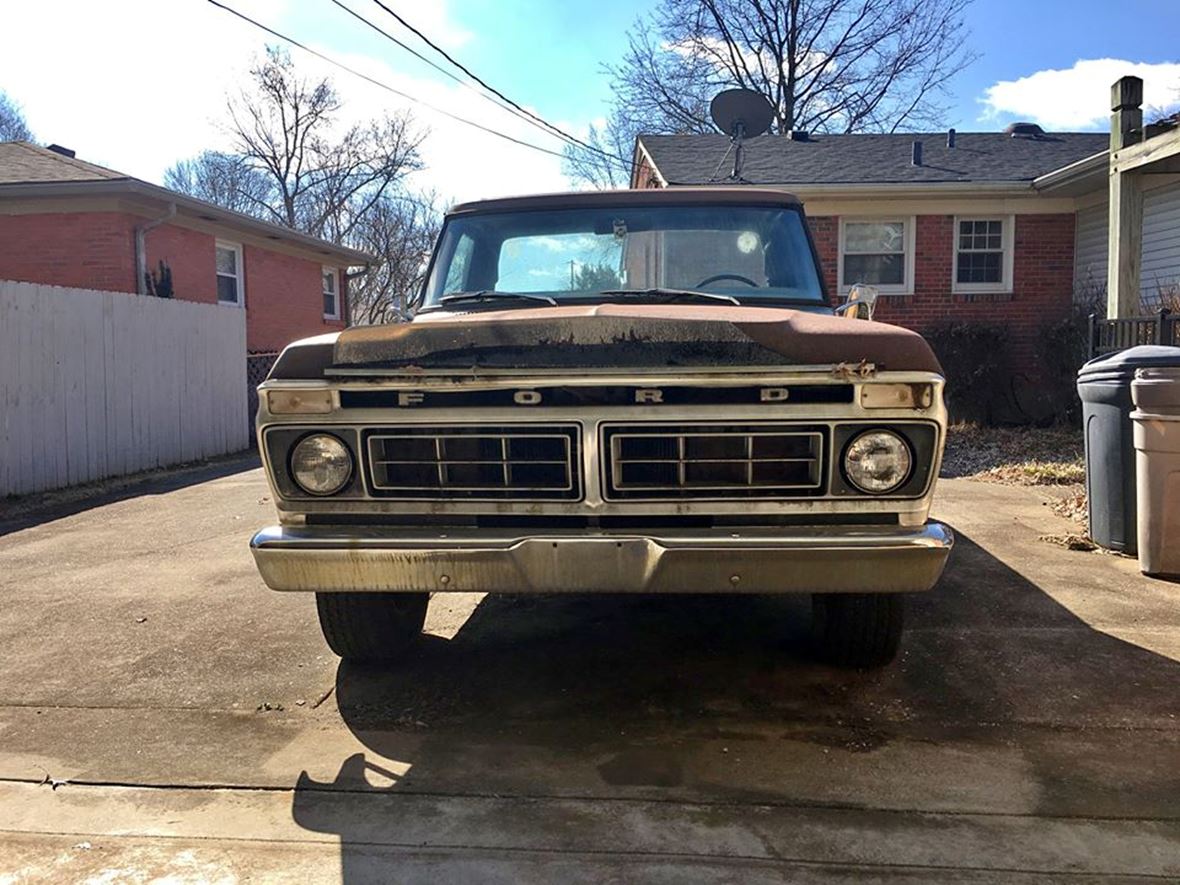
(896, 396)
(299, 402)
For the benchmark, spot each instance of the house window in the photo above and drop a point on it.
(331, 294)
(983, 255)
(878, 252)
(229, 274)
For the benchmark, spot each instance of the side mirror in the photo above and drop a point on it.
(861, 303)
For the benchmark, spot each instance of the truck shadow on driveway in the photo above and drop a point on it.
(1004, 701)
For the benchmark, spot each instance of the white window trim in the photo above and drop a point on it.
(241, 272)
(1008, 231)
(910, 222)
(335, 272)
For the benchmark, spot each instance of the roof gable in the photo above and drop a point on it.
(871, 159)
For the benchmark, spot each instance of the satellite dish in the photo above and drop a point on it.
(741, 113)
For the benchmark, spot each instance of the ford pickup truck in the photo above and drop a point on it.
(644, 391)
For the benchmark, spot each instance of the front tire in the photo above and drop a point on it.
(857, 629)
(371, 627)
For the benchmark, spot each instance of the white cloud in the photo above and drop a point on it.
(1078, 97)
(137, 84)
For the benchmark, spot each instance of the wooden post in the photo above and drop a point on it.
(1093, 328)
(1162, 328)
(1125, 233)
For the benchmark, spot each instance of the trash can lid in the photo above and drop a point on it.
(1121, 365)
(1157, 388)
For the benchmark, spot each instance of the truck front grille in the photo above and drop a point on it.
(511, 462)
(713, 461)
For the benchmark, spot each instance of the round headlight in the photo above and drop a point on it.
(321, 464)
(877, 462)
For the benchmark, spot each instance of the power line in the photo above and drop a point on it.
(380, 85)
(466, 70)
(466, 85)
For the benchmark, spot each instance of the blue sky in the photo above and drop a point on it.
(137, 84)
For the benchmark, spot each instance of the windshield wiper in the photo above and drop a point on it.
(492, 295)
(659, 292)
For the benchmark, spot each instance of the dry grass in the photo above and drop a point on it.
(1015, 455)
(1026, 456)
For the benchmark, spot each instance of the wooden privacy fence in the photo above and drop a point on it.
(99, 384)
(1107, 336)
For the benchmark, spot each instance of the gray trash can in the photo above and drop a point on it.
(1104, 385)
(1156, 394)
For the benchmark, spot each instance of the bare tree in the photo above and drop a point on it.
(225, 179)
(401, 230)
(12, 121)
(605, 163)
(284, 127)
(294, 164)
(825, 65)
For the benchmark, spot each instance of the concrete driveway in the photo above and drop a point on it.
(196, 727)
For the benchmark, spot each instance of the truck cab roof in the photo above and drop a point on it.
(676, 196)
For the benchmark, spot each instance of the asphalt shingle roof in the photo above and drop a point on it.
(872, 159)
(24, 163)
(26, 168)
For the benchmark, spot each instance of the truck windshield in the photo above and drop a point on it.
(752, 253)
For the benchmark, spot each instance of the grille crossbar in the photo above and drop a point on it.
(497, 462)
(710, 461)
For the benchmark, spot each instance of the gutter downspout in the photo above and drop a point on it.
(348, 278)
(141, 247)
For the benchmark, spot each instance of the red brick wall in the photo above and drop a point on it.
(284, 300)
(84, 250)
(96, 250)
(190, 255)
(825, 230)
(1042, 279)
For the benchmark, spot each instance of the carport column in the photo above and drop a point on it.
(1125, 234)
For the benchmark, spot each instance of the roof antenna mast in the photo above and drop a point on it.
(740, 114)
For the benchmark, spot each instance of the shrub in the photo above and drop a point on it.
(159, 282)
(974, 357)
(1064, 346)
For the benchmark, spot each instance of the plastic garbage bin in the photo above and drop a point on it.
(1104, 385)
(1156, 394)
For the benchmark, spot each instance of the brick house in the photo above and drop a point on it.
(66, 222)
(1000, 227)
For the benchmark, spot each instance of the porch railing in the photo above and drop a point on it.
(1108, 336)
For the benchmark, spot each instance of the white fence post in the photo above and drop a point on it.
(98, 384)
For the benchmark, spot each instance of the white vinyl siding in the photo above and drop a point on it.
(1161, 245)
(1089, 274)
(1161, 242)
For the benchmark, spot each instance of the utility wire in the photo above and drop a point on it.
(466, 70)
(380, 85)
(445, 72)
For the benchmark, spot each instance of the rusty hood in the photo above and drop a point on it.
(632, 336)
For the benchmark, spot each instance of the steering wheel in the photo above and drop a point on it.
(716, 278)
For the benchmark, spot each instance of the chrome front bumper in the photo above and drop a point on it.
(829, 559)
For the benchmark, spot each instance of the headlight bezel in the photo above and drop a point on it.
(344, 448)
(905, 446)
